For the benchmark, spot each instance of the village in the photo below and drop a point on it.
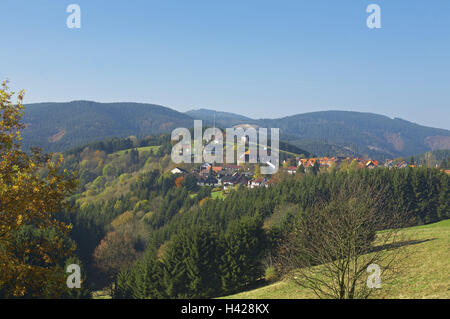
(228, 176)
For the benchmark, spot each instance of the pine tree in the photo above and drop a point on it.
(124, 285)
(192, 264)
(243, 248)
(444, 197)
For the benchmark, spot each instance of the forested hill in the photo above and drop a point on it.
(60, 126)
(222, 119)
(348, 133)
(367, 133)
(154, 233)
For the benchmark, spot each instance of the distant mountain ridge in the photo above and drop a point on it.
(365, 133)
(222, 119)
(351, 133)
(60, 126)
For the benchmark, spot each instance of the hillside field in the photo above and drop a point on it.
(428, 274)
(140, 149)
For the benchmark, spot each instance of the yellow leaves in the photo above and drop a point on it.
(19, 220)
(20, 291)
(31, 189)
(47, 259)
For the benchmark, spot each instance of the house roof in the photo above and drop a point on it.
(258, 180)
(231, 166)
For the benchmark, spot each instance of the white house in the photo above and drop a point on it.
(177, 170)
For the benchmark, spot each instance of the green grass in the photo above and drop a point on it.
(442, 223)
(217, 195)
(214, 195)
(101, 294)
(140, 149)
(258, 145)
(427, 276)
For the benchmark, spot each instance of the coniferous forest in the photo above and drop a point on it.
(146, 233)
(197, 152)
(138, 226)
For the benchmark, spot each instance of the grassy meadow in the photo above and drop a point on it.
(427, 274)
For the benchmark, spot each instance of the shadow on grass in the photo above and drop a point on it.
(263, 283)
(258, 284)
(400, 244)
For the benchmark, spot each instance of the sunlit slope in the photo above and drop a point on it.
(427, 275)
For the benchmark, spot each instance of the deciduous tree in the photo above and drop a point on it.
(335, 242)
(33, 188)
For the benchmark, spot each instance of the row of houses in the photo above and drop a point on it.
(226, 176)
(229, 176)
(326, 162)
(396, 164)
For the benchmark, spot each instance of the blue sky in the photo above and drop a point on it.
(253, 57)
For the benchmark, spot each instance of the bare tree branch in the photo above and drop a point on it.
(334, 242)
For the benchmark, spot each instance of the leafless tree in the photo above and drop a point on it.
(335, 242)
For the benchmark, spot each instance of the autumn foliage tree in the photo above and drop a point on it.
(33, 188)
(115, 252)
(179, 181)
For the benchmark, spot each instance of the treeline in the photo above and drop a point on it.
(219, 247)
(152, 201)
(127, 203)
(118, 144)
(199, 262)
(100, 159)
